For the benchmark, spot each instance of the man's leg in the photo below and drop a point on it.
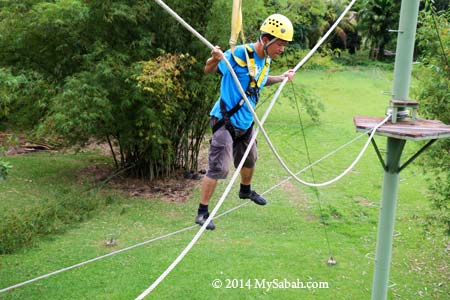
(207, 190)
(245, 191)
(219, 162)
(247, 170)
(208, 187)
(247, 175)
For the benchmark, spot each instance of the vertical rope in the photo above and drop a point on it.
(315, 189)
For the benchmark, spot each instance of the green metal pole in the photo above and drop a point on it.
(387, 218)
(405, 49)
(402, 76)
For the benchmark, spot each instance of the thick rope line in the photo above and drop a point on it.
(181, 230)
(211, 216)
(236, 173)
(283, 83)
(319, 160)
(259, 123)
(95, 259)
(345, 172)
(218, 205)
(220, 202)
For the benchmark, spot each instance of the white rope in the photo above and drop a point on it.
(213, 212)
(255, 117)
(95, 259)
(345, 172)
(178, 231)
(220, 202)
(236, 173)
(321, 159)
(202, 229)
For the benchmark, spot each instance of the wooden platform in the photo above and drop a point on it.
(421, 130)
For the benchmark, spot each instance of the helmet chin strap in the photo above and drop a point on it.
(265, 46)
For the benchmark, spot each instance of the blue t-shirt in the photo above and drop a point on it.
(229, 92)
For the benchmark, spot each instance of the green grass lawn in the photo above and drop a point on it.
(285, 240)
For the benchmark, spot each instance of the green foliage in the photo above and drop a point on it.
(433, 95)
(376, 18)
(4, 169)
(345, 34)
(8, 85)
(21, 228)
(70, 73)
(174, 38)
(438, 5)
(174, 120)
(78, 111)
(24, 98)
(47, 38)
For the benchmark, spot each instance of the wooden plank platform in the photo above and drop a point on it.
(405, 103)
(420, 130)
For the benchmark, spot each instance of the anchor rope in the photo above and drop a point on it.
(316, 192)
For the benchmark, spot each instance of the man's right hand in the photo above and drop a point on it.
(213, 61)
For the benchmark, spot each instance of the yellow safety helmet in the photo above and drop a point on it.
(279, 26)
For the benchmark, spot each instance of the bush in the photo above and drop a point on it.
(177, 100)
(71, 73)
(433, 94)
(319, 61)
(21, 228)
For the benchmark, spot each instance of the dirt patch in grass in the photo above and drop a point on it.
(174, 189)
(178, 188)
(14, 144)
(295, 194)
(364, 201)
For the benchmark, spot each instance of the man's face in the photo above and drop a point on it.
(276, 48)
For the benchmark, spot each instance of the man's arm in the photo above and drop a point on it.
(212, 63)
(276, 79)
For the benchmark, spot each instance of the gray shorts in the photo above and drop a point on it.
(223, 151)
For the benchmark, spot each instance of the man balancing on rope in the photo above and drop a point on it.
(231, 119)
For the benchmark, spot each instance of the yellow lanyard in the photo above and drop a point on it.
(250, 64)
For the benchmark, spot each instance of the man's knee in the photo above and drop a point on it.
(251, 159)
(220, 155)
(217, 173)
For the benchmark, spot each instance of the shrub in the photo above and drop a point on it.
(21, 228)
(433, 95)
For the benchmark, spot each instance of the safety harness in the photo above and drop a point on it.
(252, 89)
